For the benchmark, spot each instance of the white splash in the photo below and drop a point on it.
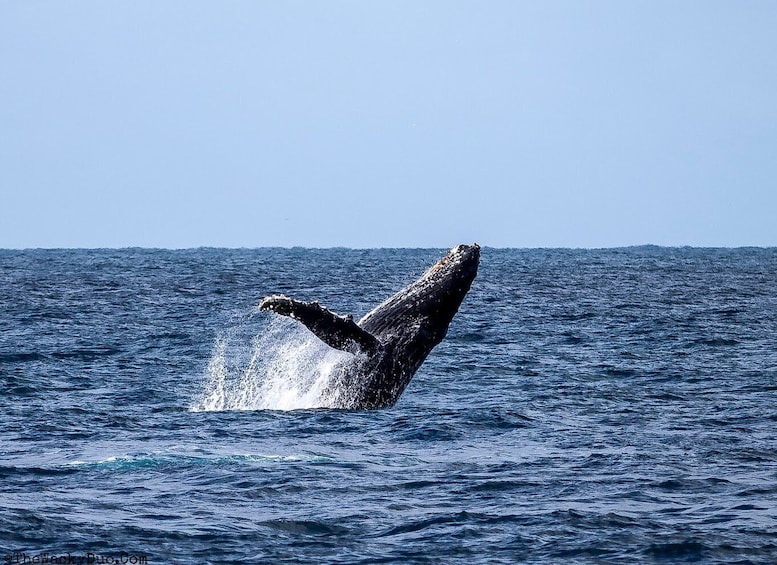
(285, 367)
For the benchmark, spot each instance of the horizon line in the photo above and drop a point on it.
(344, 247)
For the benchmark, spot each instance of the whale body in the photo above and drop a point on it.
(391, 342)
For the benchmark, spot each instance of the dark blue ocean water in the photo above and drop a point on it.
(609, 406)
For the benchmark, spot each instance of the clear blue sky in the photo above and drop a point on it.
(388, 123)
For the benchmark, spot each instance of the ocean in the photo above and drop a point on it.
(586, 406)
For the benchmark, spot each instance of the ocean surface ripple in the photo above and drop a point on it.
(587, 406)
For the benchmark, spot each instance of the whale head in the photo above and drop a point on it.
(442, 288)
(428, 305)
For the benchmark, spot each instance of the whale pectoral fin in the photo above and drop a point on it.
(340, 332)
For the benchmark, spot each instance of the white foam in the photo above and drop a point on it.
(285, 367)
(162, 457)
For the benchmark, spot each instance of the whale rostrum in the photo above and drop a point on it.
(391, 342)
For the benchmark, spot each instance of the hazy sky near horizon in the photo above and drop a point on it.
(388, 123)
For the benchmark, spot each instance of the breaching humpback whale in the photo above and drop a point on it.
(390, 342)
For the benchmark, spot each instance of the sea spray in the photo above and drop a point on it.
(283, 367)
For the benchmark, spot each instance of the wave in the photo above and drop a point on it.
(157, 459)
